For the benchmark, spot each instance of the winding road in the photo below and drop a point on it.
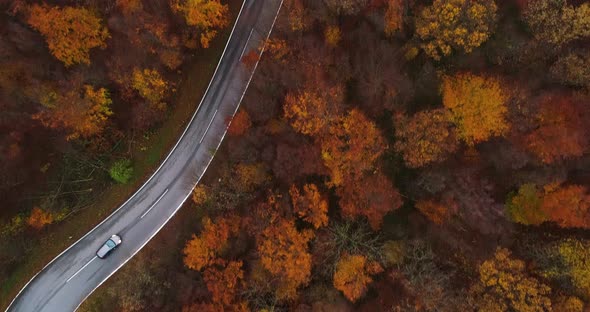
(74, 274)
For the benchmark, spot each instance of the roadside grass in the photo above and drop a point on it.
(147, 155)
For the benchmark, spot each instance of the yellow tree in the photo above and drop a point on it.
(209, 16)
(311, 206)
(455, 24)
(574, 255)
(284, 253)
(504, 286)
(353, 275)
(70, 32)
(477, 105)
(151, 86)
(557, 22)
(333, 35)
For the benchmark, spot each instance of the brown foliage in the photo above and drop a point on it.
(561, 133)
(240, 124)
(373, 196)
(437, 212)
(249, 176)
(394, 16)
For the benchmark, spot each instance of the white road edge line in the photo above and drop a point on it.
(82, 268)
(154, 204)
(155, 172)
(210, 160)
(209, 126)
(246, 45)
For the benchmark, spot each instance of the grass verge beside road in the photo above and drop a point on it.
(147, 155)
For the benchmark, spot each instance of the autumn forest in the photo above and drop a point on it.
(389, 155)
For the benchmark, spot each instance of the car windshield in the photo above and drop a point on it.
(110, 243)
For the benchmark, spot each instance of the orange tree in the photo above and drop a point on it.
(284, 253)
(70, 32)
(311, 206)
(39, 218)
(425, 138)
(477, 105)
(225, 282)
(568, 206)
(202, 250)
(82, 113)
(353, 275)
(353, 146)
(208, 16)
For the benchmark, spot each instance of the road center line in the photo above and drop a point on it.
(209, 126)
(246, 45)
(154, 204)
(82, 268)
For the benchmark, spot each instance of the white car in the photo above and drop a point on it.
(109, 246)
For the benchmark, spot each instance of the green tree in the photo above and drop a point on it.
(121, 171)
(449, 25)
(525, 206)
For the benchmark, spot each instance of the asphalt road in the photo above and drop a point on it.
(73, 275)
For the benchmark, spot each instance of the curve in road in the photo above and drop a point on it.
(64, 283)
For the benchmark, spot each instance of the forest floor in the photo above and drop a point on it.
(147, 153)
